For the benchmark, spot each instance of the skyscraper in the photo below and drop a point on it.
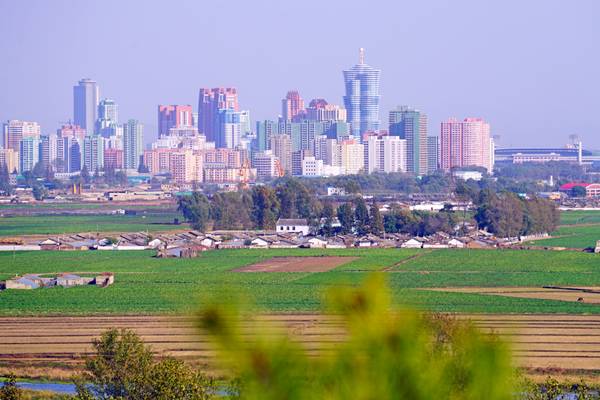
(174, 116)
(16, 130)
(210, 102)
(108, 117)
(93, 153)
(411, 124)
(292, 107)
(433, 153)
(466, 144)
(229, 129)
(29, 153)
(86, 96)
(362, 97)
(133, 147)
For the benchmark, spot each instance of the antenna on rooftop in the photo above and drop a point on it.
(361, 55)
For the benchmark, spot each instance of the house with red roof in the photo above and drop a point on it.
(591, 189)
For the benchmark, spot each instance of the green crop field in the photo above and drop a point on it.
(59, 224)
(578, 229)
(577, 217)
(147, 285)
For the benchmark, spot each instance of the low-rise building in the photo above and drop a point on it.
(298, 226)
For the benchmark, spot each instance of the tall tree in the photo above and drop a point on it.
(361, 216)
(265, 209)
(345, 215)
(195, 209)
(376, 220)
(327, 215)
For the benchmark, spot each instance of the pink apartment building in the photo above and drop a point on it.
(466, 143)
(173, 116)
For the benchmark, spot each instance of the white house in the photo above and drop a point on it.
(412, 244)
(317, 243)
(299, 226)
(454, 243)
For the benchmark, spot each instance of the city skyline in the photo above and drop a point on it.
(514, 80)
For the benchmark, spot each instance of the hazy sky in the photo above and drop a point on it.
(530, 67)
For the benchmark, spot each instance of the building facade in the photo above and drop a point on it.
(411, 125)
(86, 96)
(292, 107)
(210, 102)
(362, 97)
(133, 144)
(174, 116)
(15, 130)
(466, 143)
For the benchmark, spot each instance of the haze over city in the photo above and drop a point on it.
(528, 68)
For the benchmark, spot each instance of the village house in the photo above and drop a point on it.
(298, 226)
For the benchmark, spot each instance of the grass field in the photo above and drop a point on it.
(578, 229)
(59, 224)
(146, 285)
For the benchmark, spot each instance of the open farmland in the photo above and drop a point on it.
(60, 224)
(45, 332)
(578, 229)
(54, 347)
(144, 284)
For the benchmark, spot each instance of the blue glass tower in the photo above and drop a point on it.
(362, 97)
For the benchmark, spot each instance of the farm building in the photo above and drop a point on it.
(299, 226)
(33, 281)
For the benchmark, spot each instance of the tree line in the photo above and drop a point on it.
(507, 214)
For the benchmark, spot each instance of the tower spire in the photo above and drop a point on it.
(361, 55)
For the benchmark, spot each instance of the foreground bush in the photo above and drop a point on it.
(123, 368)
(387, 355)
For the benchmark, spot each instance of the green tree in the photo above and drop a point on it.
(328, 215)
(5, 180)
(195, 209)
(123, 368)
(376, 220)
(39, 191)
(10, 390)
(361, 216)
(265, 209)
(345, 215)
(85, 175)
(578, 191)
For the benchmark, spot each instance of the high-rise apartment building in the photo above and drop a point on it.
(281, 145)
(411, 124)
(113, 158)
(265, 130)
(433, 153)
(133, 144)
(210, 103)
(292, 107)
(15, 130)
(352, 157)
(362, 97)
(265, 163)
(72, 131)
(86, 96)
(93, 153)
(229, 128)
(385, 154)
(29, 153)
(320, 110)
(466, 143)
(108, 118)
(10, 159)
(174, 116)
